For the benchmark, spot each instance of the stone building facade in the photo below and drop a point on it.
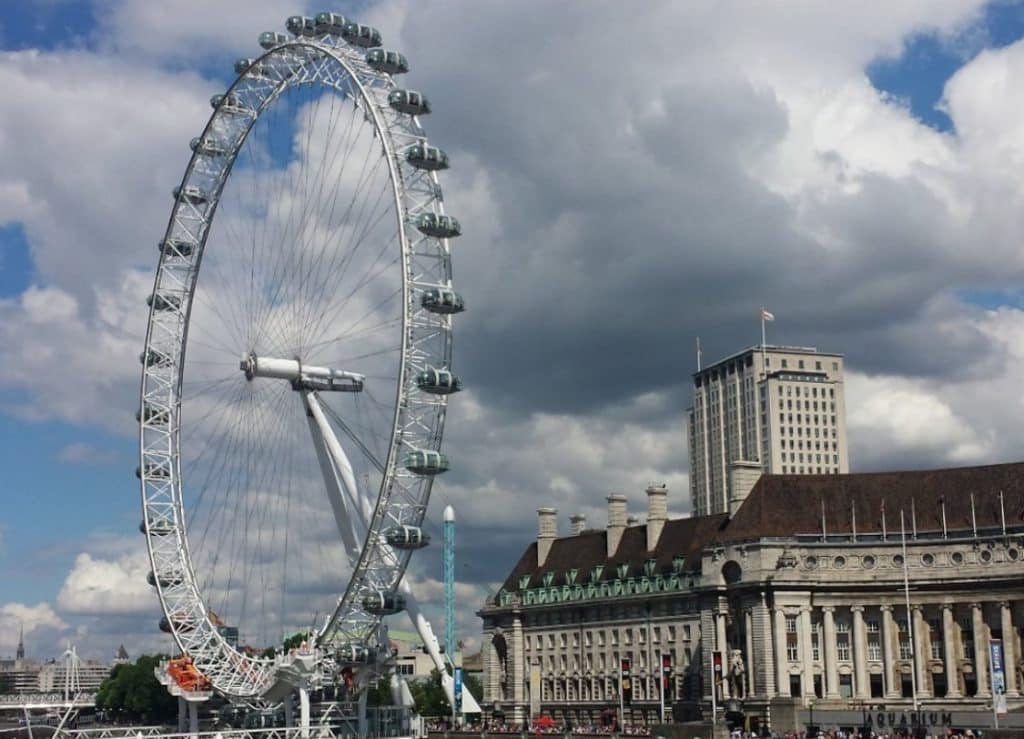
(800, 593)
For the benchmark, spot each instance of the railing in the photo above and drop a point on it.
(45, 700)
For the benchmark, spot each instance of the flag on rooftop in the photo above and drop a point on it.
(767, 315)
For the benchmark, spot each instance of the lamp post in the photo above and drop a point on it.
(810, 723)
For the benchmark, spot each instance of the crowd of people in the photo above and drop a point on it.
(548, 727)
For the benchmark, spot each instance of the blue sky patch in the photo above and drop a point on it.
(16, 268)
(919, 75)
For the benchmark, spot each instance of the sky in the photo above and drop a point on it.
(626, 183)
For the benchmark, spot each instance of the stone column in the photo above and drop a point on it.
(1009, 649)
(831, 657)
(764, 642)
(922, 652)
(805, 650)
(949, 631)
(723, 648)
(748, 627)
(781, 658)
(860, 653)
(980, 649)
(892, 690)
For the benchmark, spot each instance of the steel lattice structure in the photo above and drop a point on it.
(232, 306)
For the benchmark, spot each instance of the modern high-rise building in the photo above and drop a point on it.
(767, 409)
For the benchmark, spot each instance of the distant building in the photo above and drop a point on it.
(798, 594)
(23, 675)
(768, 409)
(411, 661)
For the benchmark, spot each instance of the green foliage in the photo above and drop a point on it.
(295, 640)
(380, 693)
(133, 691)
(429, 696)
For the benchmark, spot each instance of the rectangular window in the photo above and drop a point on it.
(843, 647)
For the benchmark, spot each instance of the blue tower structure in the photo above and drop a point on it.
(449, 583)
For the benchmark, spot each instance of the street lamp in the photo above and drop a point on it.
(810, 723)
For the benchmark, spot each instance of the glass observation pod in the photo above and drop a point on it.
(270, 39)
(229, 103)
(384, 60)
(430, 158)
(438, 225)
(438, 382)
(190, 194)
(157, 527)
(409, 101)
(300, 25)
(177, 247)
(425, 462)
(166, 581)
(154, 469)
(179, 623)
(207, 147)
(153, 358)
(330, 23)
(443, 301)
(383, 603)
(150, 414)
(360, 35)
(159, 302)
(406, 537)
(253, 67)
(353, 653)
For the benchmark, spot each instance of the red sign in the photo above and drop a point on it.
(626, 682)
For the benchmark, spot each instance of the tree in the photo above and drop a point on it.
(429, 696)
(132, 690)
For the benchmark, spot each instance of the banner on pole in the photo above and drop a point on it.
(458, 690)
(534, 692)
(995, 650)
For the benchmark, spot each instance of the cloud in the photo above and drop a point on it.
(104, 587)
(42, 627)
(84, 453)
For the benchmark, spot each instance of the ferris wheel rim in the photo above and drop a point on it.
(253, 683)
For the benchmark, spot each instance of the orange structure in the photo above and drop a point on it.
(187, 676)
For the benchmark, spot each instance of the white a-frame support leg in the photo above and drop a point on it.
(353, 512)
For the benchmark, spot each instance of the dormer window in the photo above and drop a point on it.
(595, 574)
(570, 576)
(622, 571)
(649, 567)
(524, 582)
(677, 563)
(549, 578)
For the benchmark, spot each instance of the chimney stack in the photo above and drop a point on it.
(657, 513)
(616, 522)
(547, 532)
(578, 523)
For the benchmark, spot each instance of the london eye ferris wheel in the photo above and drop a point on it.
(297, 361)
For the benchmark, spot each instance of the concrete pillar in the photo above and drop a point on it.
(781, 658)
(1009, 649)
(805, 651)
(980, 649)
(831, 656)
(722, 647)
(748, 628)
(949, 647)
(193, 718)
(182, 715)
(892, 688)
(860, 654)
(922, 652)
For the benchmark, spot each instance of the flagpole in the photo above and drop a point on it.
(1002, 512)
(884, 533)
(698, 355)
(913, 517)
(910, 620)
(942, 502)
(974, 519)
(853, 515)
(764, 347)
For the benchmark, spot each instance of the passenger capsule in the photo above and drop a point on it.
(438, 382)
(190, 194)
(229, 103)
(180, 624)
(159, 302)
(425, 462)
(242, 65)
(271, 39)
(438, 225)
(176, 247)
(207, 147)
(443, 301)
(430, 158)
(360, 35)
(406, 537)
(157, 527)
(154, 358)
(154, 470)
(387, 61)
(166, 581)
(409, 101)
(330, 23)
(300, 25)
(355, 653)
(151, 414)
(383, 603)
